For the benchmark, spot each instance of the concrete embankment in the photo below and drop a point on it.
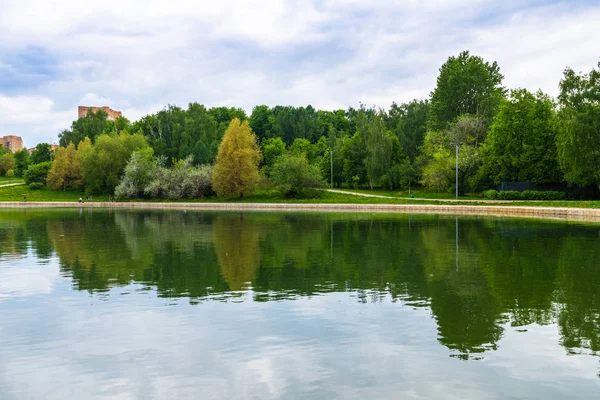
(574, 214)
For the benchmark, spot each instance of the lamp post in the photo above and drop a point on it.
(456, 181)
(331, 160)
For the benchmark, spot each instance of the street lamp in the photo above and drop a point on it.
(456, 168)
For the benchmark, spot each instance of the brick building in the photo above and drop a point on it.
(13, 143)
(82, 111)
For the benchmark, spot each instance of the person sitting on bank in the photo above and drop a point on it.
(80, 200)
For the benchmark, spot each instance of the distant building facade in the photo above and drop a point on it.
(82, 111)
(11, 142)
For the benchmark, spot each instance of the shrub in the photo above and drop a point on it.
(525, 195)
(490, 194)
(509, 195)
(294, 176)
(36, 185)
(182, 181)
(38, 173)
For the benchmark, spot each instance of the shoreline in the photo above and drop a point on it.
(562, 213)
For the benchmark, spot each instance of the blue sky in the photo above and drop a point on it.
(140, 56)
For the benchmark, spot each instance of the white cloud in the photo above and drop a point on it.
(331, 54)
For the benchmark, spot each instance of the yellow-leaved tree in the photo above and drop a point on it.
(236, 166)
(66, 169)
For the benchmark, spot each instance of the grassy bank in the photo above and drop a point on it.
(16, 193)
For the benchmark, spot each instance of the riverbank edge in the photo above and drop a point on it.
(574, 214)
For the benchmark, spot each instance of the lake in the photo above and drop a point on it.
(98, 304)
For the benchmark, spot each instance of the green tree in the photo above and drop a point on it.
(293, 175)
(271, 149)
(37, 173)
(521, 143)
(42, 153)
(262, 121)
(66, 169)
(236, 167)
(371, 127)
(354, 153)
(21, 162)
(102, 163)
(408, 121)
(137, 174)
(91, 126)
(7, 163)
(466, 85)
(578, 138)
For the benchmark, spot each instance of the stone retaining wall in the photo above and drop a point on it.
(575, 214)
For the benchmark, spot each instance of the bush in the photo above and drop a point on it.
(182, 181)
(36, 185)
(509, 195)
(38, 173)
(490, 194)
(526, 195)
(295, 176)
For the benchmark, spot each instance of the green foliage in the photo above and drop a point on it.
(137, 174)
(354, 153)
(262, 122)
(66, 170)
(37, 173)
(271, 149)
(490, 194)
(293, 175)
(103, 163)
(578, 139)
(525, 195)
(90, 126)
(408, 121)
(42, 153)
(466, 85)
(182, 181)
(21, 162)
(7, 163)
(36, 185)
(521, 144)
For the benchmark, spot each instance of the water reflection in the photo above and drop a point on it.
(476, 275)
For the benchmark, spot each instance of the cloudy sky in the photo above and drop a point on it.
(138, 56)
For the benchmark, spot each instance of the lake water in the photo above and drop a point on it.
(100, 304)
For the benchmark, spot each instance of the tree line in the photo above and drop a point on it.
(502, 136)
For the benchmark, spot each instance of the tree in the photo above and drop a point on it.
(578, 139)
(137, 174)
(293, 175)
(37, 173)
(42, 153)
(371, 127)
(66, 170)
(466, 85)
(262, 121)
(271, 149)
(354, 154)
(102, 163)
(408, 121)
(521, 143)
(236, 167)
(21, 162)
(7, 163)
(90, 126)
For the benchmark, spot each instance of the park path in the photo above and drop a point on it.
(379, 196)
(12, 184)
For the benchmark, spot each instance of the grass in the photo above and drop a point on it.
(15, 193)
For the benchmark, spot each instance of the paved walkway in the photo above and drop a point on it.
(12, 184)
(379, 196)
